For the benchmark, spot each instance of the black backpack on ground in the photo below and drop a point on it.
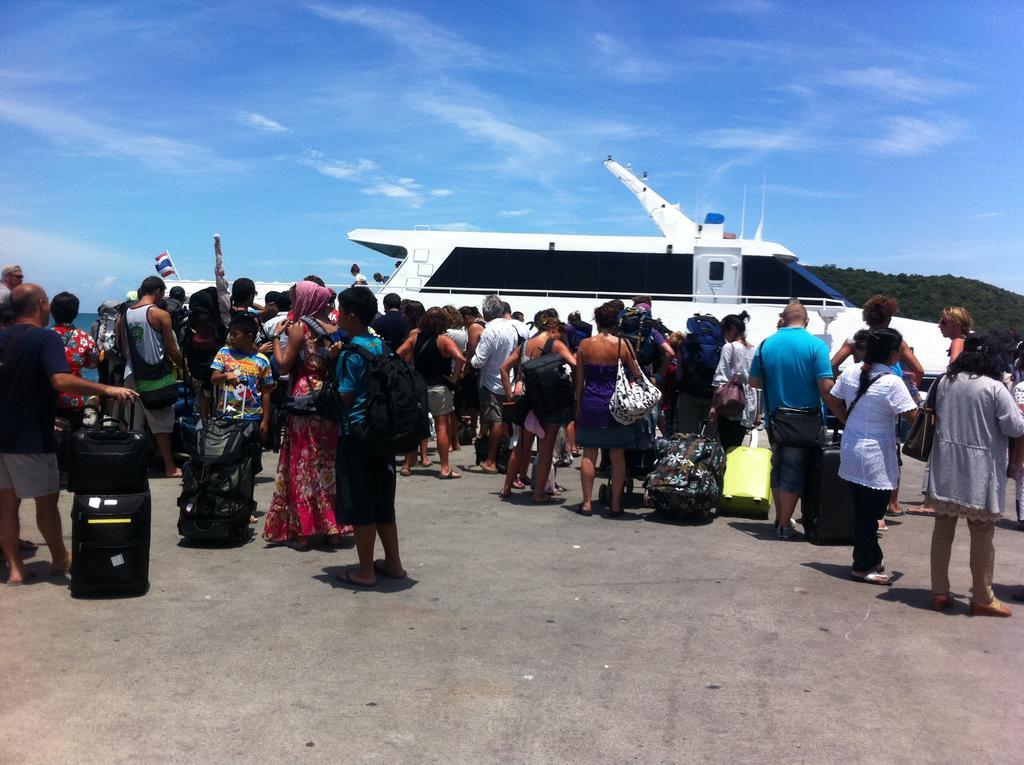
(219, 482)
(549, 386)
(396, 404)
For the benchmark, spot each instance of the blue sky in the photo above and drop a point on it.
(889, 133)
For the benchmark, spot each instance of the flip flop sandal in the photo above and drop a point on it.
(517, 484)
(450, 477)
(405, 472)
(882, 580)
(580, 511)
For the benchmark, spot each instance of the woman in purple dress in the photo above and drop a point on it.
(597, 364)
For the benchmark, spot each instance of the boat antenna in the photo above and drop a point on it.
(760, 225)
(743, 213)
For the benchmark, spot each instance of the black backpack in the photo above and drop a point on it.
(396, 404)
(204, 332)
(549, 387)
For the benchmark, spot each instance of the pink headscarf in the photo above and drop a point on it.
(310, 299)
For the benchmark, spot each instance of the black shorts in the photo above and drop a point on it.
(365, 485)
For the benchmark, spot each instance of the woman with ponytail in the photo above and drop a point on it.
(734, 364)
(868, 398)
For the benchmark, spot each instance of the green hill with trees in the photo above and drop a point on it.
(924, 297)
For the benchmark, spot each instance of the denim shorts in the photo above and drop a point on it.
(791, 466)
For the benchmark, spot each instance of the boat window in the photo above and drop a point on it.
(669, 273)
(623, 272)
(566, 271)
(527, 269)
(716, 271)
(575, 271)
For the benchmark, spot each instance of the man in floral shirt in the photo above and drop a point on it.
(79, 349)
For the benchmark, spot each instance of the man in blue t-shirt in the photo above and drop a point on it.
(33, 368)
(365, 481)
(793, 368)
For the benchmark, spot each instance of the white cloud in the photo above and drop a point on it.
(786, 139)
(621, 61)
(395, 191)
(480, 123)
(409, 182)
(984, 216)
(334, 168)
(908, 136)
(896, 84)
(259, 122)
(61, 263)
(514, 213)
(430, 43)
(440, 192)
(459, 226)
(66, 128)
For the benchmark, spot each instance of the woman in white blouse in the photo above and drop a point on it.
(734, 364)
(868, 398)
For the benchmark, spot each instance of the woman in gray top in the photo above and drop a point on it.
(966, 476)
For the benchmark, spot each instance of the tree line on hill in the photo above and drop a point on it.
(924, 297)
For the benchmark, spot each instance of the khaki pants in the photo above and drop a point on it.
(983, 556)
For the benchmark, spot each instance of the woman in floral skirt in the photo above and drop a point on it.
(303, 503)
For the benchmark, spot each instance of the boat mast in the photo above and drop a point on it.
(667, 217)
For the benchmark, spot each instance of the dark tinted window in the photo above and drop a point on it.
(575, 271)
(566, 270)
(528, 269)
(670, 274)
(716, 271)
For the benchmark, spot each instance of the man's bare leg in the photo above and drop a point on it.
(785, 505)
(9, 530)
(388, 533)
(48, 521)
(366, 537)
(494, 443)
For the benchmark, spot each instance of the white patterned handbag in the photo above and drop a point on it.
(631, 401)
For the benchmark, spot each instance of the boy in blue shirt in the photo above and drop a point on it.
(244, 374)
(365, 481)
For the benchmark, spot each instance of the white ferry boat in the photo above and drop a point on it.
(691, 268)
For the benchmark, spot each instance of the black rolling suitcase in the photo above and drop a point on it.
(827, 504)
(110, 537)
(219, 482)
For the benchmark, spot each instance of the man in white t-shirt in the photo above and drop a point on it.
(499, 338)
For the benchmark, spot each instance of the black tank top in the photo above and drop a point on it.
(428, 360)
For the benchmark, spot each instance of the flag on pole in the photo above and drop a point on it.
(164, 265)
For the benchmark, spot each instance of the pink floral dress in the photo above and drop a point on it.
(304, 494)
(81, 352)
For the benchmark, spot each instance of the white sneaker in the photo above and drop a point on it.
(786, 533)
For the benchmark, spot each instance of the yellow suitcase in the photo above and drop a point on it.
(747, 486)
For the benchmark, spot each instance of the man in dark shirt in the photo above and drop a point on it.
(391, 326)
(33, 368)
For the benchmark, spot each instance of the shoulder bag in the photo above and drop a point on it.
(919, 441)
(792, 426)
(731, 398)
(631, 401)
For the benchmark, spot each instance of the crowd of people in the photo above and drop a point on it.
(526, 397)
